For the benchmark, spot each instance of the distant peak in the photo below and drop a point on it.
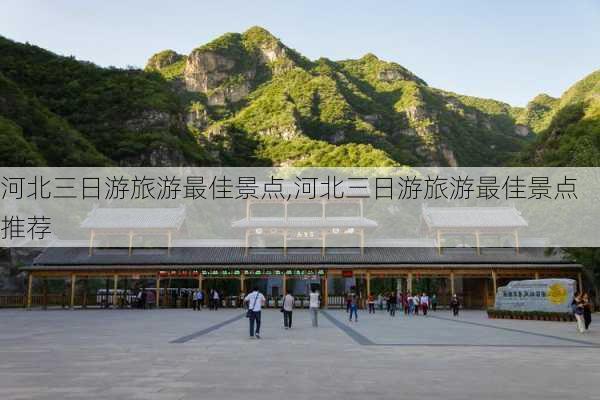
(370, 56)
(259, 35)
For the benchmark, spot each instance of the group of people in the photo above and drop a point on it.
(214, 299)
(409, 303)
(582, 309)
(255, 301)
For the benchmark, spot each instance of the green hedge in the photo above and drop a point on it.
(531, 315)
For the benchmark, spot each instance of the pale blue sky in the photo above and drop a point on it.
(510, 50)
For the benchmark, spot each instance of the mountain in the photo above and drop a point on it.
(246, 99)
(568, 127)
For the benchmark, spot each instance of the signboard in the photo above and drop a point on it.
(551, 295)
(248, 273)
(348, 273)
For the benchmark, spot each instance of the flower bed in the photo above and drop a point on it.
(530, 315)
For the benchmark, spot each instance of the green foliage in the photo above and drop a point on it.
(14, 148)
(304, 152)
(96, 110)
(49, 138)
(572, 134)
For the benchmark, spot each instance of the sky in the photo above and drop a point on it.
(507, 50)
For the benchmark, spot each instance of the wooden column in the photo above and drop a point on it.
(115, 285)
(409, 283)
(494, 286)
(73, 279)
(242, 283)
(45, 294)
(157, 291)
(368, 283)
(452, 283)
(580, 282)
(284, 284)
(29, 288)
(326, 291)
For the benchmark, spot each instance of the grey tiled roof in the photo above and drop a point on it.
(134, 218)
(57, 257)
(473, 217)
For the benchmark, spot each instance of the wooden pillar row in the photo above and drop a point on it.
(368, 283)
(452, 283)
(409, 283)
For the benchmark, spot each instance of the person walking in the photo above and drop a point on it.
(434, 302)
(425, 303)
(454, 305)
(255, 300)
(380, 301)
(287, 307)
(216, 298)
(313, 306)
(348, 301)
(579, 307)
(353, 308)
(199, 299)
(392, 302)
(411, 304)
(417, 301)
(371, 302)
(587, 311)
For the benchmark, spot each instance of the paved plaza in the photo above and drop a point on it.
(183, 354)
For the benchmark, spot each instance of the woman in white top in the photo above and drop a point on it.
(314, 307)
(287, 307)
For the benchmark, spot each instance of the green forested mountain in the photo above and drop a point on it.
(569, 127)
(247, 99)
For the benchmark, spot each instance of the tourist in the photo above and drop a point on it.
(579, 307)
(353, 308)
(411, 304)
(255, 300)
(313, 306)
(417, 301)
(199, 299)
(286, 307)
(216, 300)
(434, 302)
(392, 303)
(587, 311)
(371, 303)
(349, 301)
(425, 303)
(454, 305)
(380, 301)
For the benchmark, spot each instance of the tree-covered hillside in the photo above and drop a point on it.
(569, 127)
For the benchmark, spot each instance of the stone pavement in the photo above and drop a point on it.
(182, 354)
